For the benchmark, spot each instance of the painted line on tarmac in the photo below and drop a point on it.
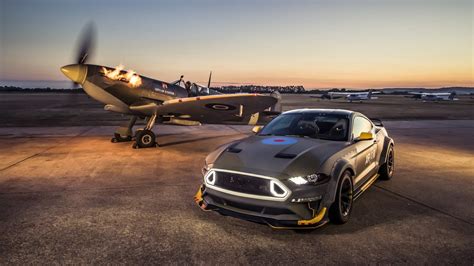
(424, 204)
(43, 151)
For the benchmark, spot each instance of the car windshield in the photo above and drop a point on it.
(308, 124)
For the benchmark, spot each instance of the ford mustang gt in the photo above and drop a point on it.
(303, 169)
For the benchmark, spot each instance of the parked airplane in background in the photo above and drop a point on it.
(179, 102)
(350, 96)
(434, 96)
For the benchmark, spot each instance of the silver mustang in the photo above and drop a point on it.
(301, 170)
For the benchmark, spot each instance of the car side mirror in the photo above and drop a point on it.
(257, 129)
(364, 136)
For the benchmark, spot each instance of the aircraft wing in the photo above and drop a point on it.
(339, 93)
(211, 109)
(440, 93)
(349, 93)
(431, 93)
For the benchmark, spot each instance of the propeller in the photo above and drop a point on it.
(85, 45)
(209, 81)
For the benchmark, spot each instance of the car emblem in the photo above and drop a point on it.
(279, 141)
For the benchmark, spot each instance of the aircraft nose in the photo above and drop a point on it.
(76, 73)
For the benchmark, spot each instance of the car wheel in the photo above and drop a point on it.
(145, 139)
(387, 169)
(341, 209)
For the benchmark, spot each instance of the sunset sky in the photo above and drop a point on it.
(318, 44)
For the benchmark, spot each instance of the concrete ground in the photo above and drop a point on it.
(69, 195)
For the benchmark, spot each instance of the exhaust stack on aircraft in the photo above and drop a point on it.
(118, 73)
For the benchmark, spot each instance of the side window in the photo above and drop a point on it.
(360, 125)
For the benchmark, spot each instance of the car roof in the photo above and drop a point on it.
(328, 111)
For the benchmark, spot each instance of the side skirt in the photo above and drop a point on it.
(365, 186)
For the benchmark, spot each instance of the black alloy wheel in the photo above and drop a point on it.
(341, 209)
(387, 169)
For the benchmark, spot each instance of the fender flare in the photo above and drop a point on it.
(339, 167)
(383, 155)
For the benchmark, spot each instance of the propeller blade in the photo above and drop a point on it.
(86, 43)
(209, 81)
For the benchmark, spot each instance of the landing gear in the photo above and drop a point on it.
(145, 138)
(119, 138)
(124, 133)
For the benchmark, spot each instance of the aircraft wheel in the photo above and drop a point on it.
(119, 138)
(145, 139)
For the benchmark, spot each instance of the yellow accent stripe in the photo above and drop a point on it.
(296, 227)
(370, 182)
(316, 219)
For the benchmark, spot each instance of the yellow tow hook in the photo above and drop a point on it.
(198, 199)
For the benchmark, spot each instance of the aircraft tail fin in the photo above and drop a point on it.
(452, 95)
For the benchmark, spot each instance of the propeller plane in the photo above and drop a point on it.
(157, 101)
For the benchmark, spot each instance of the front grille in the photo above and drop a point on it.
(242, 206)
(243, 183)
(250, 207)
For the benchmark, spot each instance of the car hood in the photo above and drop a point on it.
(276, 156)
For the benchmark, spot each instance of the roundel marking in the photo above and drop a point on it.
(279, 141)
(220, 107)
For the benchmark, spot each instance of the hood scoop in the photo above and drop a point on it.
(283, 155)
(233, 149)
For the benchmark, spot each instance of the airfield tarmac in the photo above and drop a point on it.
(69, 195)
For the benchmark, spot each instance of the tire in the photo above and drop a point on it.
(145, 139)
(386, 170)
(119, 138)
(341, 209)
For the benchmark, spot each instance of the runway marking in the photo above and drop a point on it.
(45, 150)
(423, 204)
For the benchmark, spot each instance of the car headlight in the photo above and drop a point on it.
(210, 178)
(312, 179)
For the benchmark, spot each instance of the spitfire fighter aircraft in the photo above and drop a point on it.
(350, 96)
(434, 96)
(179, 102)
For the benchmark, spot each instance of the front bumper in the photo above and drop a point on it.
(280, 215)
